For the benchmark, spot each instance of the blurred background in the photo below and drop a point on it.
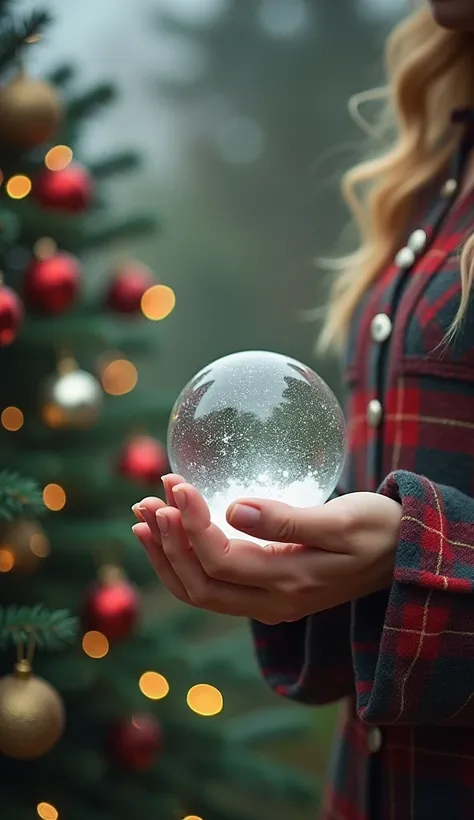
(164, 200)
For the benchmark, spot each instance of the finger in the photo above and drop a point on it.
(203, 591)
(279, 522)
(169, 482)
(160, 563)
(237, 561)
(146, 511)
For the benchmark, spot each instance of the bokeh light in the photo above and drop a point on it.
(119, 377)
(153, 685)
(95, 644)
(205, 699)
(39, 545)
(47, 811)
(158, 302)
(58, 158)
(12, 419)
(44, 247)
(192, 817)
(18, 186)
(7, 560)
(54, 497)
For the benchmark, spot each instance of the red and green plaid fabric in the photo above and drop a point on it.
(403, 660)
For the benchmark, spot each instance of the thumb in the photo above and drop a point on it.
(276, 521)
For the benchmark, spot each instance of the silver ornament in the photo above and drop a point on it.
(72, 399)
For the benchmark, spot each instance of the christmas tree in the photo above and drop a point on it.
(124, 716)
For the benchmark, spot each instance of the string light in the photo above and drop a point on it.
(44, 248)
(7, 560)
(95, 644)
(205, 699)
(18, 186)
(54, 497)
(58, 158)
(153, 685)
(47, 811)
(158, 302)
(119, 377)
(192, 817)
(12, 419)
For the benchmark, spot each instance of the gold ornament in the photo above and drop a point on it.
(23, 544)
(31, 714)
(30, 112)
(72, 398)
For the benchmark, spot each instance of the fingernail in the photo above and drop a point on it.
(243, 515)
(134, 530)
(148, 518)
(163, 523)
(137, 511)
(179, 494)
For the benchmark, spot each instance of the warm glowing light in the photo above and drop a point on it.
(47, 812)
(34, 38)
(192, 817)
(44, 247)
(119, 377)
(205, 699)
(58, 158)
(158, 302)
(54, 497)
(39, 545)
(7, 560)
(153, 685)
(12, 419)
(95, 644)
(18, 186)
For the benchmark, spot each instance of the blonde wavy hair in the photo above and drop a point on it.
(430, 72)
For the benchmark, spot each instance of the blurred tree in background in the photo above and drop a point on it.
(140, 691)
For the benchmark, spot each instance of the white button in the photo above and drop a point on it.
(374, 740)
(374, 413)
(417, 241)
(449, 188)
(405, 258)
(380, 327)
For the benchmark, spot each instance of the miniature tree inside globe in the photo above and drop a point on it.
(257, 424)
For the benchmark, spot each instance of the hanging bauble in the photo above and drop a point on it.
(11, 315)
(69, 190)
(72, 398)
(143, 459)
(51, 285)
(30, 112)
(127, 286)
(135, 742)
(23, 544)
(31, 714)
(112, 605)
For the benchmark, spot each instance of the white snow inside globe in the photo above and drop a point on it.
(257, 424)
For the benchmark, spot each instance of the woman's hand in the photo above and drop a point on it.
(317, 557)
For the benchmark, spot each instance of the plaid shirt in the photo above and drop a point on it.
(403, 660)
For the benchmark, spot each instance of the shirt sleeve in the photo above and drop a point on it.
(413, 647)
(310, 660)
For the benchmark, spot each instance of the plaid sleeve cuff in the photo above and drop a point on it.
(413, 647)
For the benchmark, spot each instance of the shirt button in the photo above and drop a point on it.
(374, 413)
(449, 188)
(405, 258)
(417, 241)
(380, 327)
(374, 740)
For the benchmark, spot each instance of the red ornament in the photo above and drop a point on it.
(11, 315)
(144, 459)
(52, 284)
(134, 742)
(128, 286)
(112, 605)
(69, 190)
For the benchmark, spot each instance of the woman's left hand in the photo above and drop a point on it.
(316, 558)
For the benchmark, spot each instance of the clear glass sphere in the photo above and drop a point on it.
(261, 425)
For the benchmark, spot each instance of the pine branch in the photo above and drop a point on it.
(14, 35)
(266, 725)
(87, 103)
(62, 75)
(126, 229)
(118, 164)
(49, 630)
(19, 497)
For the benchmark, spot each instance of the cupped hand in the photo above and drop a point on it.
(316, 558)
